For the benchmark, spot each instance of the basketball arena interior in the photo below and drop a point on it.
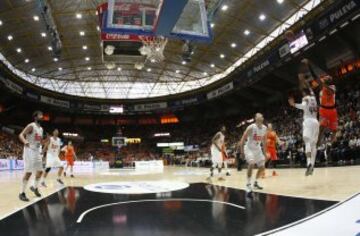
(179, 117)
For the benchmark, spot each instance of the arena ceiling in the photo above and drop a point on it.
(241, 29)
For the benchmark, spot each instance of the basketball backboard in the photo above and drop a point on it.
(180, 19)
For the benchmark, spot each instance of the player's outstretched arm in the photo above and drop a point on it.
(297, 105)
(310, 65)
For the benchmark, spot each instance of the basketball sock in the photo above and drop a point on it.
(211, 171)
(36, 183)
(23, 185)
(226, 167)
(313, 155)
(308, 152)
(308, 159)
(249, 180)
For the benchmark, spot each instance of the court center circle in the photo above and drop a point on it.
(136, 187)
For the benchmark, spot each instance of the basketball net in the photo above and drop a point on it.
(119, 146)
(153, 48)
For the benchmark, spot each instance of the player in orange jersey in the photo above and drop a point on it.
(327, 113)
(271, 140)
(70, 156)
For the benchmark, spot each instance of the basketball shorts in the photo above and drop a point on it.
(53, 161)
(328, 118)
(70, 161)
(254, 156)
(310, 130)
(216, 155)
(32, 160)
(271, 154)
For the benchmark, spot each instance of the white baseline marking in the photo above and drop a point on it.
(157, 200)
(31, 203)
(311, 217)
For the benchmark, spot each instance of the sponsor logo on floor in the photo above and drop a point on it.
(137, 187)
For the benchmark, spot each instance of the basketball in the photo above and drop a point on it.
(289, 35)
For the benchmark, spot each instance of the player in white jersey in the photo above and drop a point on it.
(218, 152)
(32, 137)
(52, 148)
(310, 126)
(255, 136)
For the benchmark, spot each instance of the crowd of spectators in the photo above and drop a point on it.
(286, 121)
(10, 147)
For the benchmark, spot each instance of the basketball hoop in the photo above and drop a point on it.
(119, 146)
(153, 48)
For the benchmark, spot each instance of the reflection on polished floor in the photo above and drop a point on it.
(216, 208)
(58, 214)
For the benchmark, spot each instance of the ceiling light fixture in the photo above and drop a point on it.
(19, 50)
(27, 60)
(233, 45)
(280, 1)
(43, 34)
(84, 47)
(36, 18)
(50, 48)
(212, 65)
(224, 7)
(262, 17)
(246, 32)
(10, 37)
(205, 73)
(56, 59)
(82, 33)
(78, 16)
(177, 71)
(222, 56)
(60, 69)
(1, 23)
(87, 58)
(33, 69)
(89, 68)
(183, 62)
(212, 25)
(119, 69)
(149, 70)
